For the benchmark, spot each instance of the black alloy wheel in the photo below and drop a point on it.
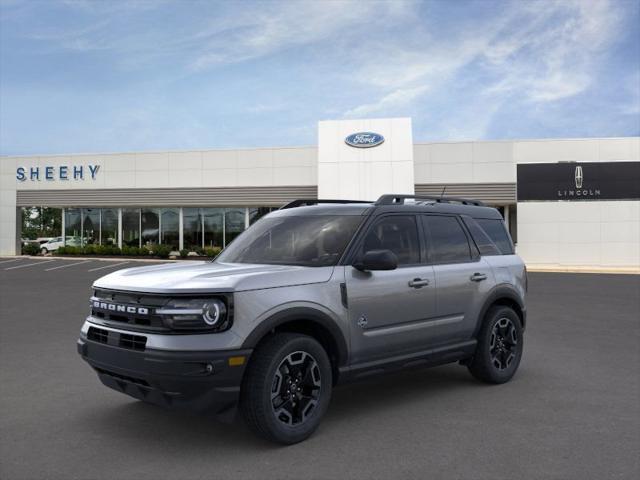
(295, 390)
(504, 343)
(500, 346)
(287, 387)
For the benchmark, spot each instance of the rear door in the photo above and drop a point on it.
(462, 277)
(389, 311)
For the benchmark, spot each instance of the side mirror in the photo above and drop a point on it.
(377, 260)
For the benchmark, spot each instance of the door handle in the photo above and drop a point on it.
(478, 277)
(418, 283)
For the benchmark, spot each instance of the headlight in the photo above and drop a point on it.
(196, 314)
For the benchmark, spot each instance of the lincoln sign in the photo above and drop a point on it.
(575, 181)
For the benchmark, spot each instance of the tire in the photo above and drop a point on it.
(286, 363)
(500, 345)
(44, 251)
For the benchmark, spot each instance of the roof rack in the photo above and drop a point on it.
(314, 201)
(399, 200)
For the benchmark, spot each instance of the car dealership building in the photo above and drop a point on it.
(567, 202)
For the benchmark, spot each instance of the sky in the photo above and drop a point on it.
(84, 76)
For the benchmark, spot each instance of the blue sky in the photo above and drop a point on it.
(91, 76)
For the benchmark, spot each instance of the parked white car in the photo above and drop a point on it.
(56, 242)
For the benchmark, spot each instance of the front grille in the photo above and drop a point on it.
(122, 340)
(133, 342)
(98, 335)
(135, 310)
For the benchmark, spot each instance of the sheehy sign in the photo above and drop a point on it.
(575, 181)
(60, 172)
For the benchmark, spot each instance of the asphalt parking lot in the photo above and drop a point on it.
(572, 411)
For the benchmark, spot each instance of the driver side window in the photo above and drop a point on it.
(397, 233)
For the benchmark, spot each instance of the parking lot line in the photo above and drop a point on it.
(30, 264)
(9, 261)
(65, 266)
(106, 266)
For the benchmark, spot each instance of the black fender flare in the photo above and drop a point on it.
(502, 292)
(308, 314)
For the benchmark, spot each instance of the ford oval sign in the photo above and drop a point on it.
(364, 139)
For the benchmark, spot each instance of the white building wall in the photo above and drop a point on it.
(464, 162)
(296, 166)
(579, 233)
(8, 211)
(345, 172)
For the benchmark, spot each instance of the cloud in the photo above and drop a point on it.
(288, 25)
(537, 51)
(396, 99)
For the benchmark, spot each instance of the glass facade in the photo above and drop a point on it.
(131, 227)
(90, 226)
(191, 228)
(205, 227)
(170, 227)
(150, 223)
(234, 223)
(72, 226)
(213, 219)
(109, 226)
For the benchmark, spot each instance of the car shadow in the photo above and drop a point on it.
(196, 433)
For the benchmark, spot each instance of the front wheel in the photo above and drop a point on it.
(499, 349)
(287, 388)
(44, 251)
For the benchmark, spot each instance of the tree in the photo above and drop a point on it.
(41, 222)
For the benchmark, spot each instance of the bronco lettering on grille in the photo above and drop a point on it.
(120, 308)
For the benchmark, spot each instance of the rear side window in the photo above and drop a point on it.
(498, 233)
(397, 233)
(447, 241)
(483, 242)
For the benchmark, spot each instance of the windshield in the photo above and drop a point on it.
(311, 241)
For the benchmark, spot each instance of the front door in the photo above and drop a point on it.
(390, 311)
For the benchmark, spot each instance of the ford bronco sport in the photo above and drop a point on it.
(317, 293)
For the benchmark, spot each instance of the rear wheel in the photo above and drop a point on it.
(287, 388)
(499, 349)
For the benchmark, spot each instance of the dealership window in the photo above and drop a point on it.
(170, 227)
(90, 226)
(234, 223)
(131, 227)
(72, 226)
(213, 219)
(109, 226)
(256, 213)
(150, 224)
(192, 228)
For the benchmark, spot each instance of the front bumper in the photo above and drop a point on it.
(197, 381)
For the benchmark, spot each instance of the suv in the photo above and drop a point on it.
(317, 293)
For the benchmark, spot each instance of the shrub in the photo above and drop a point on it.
(68, 250)
(162, 251)
(212, 252)
(31, 249)
(89, 250)
(184, 252)
(144, 251)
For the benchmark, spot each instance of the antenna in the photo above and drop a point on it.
(443, 190)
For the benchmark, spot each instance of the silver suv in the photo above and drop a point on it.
(317, 293)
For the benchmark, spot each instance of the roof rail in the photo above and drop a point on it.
(314, 201)
(391, 199)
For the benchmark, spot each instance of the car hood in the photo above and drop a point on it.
(194, 277)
